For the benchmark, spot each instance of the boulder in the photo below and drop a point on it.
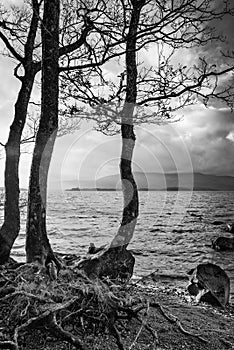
(217, 222)
(210, 283)
(223, 243)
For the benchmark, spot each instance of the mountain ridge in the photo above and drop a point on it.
(154, 181)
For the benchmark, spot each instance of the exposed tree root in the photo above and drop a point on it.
(115, 264)
(27, 295)
(58, 331)
(71, 306)
(117, 336)
(174, 320)
(143, 324)
(152, 331)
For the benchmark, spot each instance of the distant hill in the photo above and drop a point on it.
(171, 181)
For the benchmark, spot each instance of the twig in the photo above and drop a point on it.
(24, 312)
(117, 336)
(61, 333)
(32, 320)
(27, 324)
(29, 295)
(72, 314)
(9, 345)
(46, 314)
(226, 342)
(131, 312)
(150, 330)
(144, 321)
(174, 320)
(134, 313)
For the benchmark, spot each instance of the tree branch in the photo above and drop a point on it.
(188, 88)
(29, 45)
(16, 72)
(11, 48)
(77, 44)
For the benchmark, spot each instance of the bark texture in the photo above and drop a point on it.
(11, 225)
(117, 262)
(111, 263)
(130, 193)
(38, 248)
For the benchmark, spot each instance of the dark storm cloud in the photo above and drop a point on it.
(211, 140)
(203, 141)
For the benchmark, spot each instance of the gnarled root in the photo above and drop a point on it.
(115, 264)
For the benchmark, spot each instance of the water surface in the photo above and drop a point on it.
(173, 233)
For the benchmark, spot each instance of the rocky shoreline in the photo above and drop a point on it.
(152, 313)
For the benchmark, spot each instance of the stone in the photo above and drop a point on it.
(210, 283)
(230, 228)
(223, 243)
(217, 222)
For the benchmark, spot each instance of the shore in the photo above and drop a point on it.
(157, 314)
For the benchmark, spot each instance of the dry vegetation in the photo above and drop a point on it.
(74, 312)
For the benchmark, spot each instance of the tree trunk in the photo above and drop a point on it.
(117, 262)
(38, 248)
(11, 226)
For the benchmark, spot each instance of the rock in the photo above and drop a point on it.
(67, 259)
(223, 243)
(217, 222)
(93, 249)
(137, 252)
(155, 230)
(180, 230)
(210, 283)
(230, 228)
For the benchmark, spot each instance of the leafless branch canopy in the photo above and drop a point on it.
(174, 69)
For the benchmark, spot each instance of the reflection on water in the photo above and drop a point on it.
(173, 233)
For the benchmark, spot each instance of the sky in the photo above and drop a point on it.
(201, 141)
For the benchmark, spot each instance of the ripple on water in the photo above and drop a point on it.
(168, 236)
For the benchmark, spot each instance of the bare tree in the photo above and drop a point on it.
(80, 43)
(24, 54)
(37, 243)
(19, 31)
(150, 94)
(92, 52)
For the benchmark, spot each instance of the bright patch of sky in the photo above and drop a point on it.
(9, 3)
(203, 139)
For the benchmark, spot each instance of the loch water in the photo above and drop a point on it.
(173, 234)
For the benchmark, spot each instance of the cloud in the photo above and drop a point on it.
(9, 3)
(209, 143)
(201, 141)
